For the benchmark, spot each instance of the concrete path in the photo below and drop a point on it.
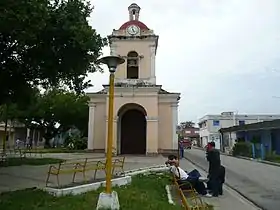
(257, 181)
(229, 201)
(21, 177)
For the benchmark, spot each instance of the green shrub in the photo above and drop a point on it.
(242, 149)
(76, 142)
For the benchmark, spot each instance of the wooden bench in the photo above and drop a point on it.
(189, 197)
(118, 163)
(83, 166)
(65, 167)
(91, 165)
(98, 165)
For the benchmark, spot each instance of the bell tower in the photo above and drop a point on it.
(137, 44)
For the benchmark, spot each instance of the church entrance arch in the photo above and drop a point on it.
(132, 129)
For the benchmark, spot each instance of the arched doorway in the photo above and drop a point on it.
(132, 129)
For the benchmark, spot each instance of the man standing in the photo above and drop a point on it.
(213, 156)
(181, 149)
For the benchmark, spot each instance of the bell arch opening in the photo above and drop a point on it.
(132, 68)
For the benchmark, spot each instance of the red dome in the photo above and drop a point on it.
(141, 25)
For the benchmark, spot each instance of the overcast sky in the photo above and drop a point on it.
(221, 55)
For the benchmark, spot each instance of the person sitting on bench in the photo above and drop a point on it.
(192, 178)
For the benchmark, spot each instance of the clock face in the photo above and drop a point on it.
(133, 29)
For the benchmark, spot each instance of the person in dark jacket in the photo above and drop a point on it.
(213, 157)
(221, 181)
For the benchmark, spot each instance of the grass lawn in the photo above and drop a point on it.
(145, 192)
(14, 161)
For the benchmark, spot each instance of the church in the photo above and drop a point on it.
(145, 115)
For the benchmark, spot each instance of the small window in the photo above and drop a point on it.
(241, 122)
(216, 122)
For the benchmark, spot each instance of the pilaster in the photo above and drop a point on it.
(91, 126)
(153, 62)
(174, 107)
(115, 132)
(152, 135)
(113, 49)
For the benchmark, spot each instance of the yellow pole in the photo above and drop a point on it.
(110, 135)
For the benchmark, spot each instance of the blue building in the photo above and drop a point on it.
(266, 133)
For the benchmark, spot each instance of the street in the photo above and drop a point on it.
(257, 181)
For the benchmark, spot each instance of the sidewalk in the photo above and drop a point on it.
(231, 200)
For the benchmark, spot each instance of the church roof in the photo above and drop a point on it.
(162, 91)
(138, 23)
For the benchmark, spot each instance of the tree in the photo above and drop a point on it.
(187, 124)
(48, 43)
(10, 112)
(56, 111)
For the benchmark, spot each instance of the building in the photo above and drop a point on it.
(266, 133)
(209, 125)
(16, 131)
(145, 115)
(191, 133)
